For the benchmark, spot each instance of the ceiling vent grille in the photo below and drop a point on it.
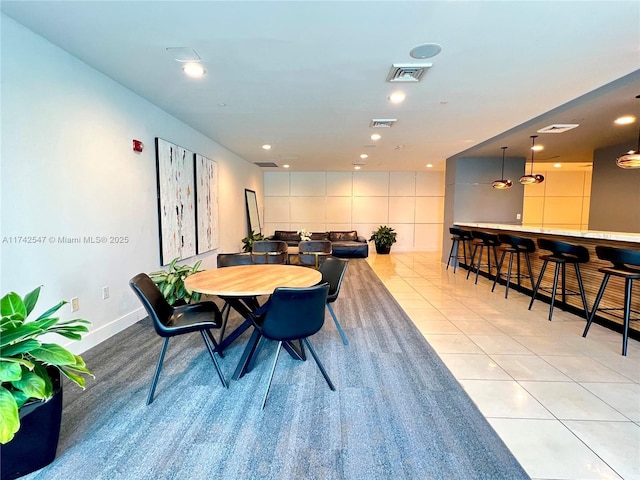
(382, 122)
(266, 164)
(558, 128)
(407, 72)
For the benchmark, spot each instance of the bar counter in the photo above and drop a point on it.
(591, 278)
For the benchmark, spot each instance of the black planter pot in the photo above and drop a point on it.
(34, 445)
(383, 250)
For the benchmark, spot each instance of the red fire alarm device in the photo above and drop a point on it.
(138, 146)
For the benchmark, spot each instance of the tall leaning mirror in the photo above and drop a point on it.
(253, 219)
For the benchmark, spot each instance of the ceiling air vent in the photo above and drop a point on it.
(266, 164)
(558, 128)
(407, 72)
(383, 122)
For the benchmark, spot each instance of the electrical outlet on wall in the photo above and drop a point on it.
(518, 216)
(75, 304)
(105, 293)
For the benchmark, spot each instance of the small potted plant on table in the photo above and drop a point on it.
(383, 238)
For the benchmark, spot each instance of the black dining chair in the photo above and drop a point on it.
(171, 321)
(269, 251)
(333, 270)
(292, 314)
(242, 306)
(313, 253)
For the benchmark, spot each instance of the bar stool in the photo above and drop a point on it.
(512, 244)
(482, 240)
(620, 258)
(458, 236)
(562, 253)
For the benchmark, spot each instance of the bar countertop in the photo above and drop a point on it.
(592, 234)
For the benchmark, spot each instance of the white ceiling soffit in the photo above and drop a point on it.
(558, 128)
(407, 72)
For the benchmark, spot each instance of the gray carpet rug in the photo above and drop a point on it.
(397, 413)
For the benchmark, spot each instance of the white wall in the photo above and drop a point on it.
(561, 201)
(68, 170)
(410, 202)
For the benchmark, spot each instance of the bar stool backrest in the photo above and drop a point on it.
(521, 243)
(486, 237)
(618, 256)
(569, 251)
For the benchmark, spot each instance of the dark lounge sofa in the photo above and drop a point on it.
(346, 244)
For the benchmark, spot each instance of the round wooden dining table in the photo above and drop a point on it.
(251, 280)
(238, 283)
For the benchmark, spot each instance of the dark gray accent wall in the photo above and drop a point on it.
(469, 196)
(615, 192)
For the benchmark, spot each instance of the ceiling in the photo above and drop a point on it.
(308, 77)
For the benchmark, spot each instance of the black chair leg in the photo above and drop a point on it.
(555, 287)
(335, 320)
(473, 256)
(454, 246)
(535, 290)
(273, 369)
(319, 363)
(495, 280)
(605, 280)
(506, 292)
(212, 350)
(526, 257)
(581, 288)
(152, 391)
(627, 314)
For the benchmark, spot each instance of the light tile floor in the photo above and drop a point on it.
(568, 407)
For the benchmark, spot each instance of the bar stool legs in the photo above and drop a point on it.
(620, 258)
(563, 253)
(511, 251)
(458, 236)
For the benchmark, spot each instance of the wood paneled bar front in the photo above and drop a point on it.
(591, 277)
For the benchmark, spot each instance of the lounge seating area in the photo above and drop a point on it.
(344, 244)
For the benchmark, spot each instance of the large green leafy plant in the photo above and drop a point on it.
(171, 282)
(24, 357)
(384, 236)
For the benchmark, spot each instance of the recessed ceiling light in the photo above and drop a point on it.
(357, 167)
(429, 165)
(266, 146)
(364, 155)
(557, 165)
(426, 50)
(537, 148)
(626, 120)
(397, 97)
(376, 136)
(285, 165)
(194, 70)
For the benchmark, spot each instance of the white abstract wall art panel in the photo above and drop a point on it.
(206, 203)
(176, 202)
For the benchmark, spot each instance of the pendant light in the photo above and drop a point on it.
(630, 159)
(531, 178)
(502, 183)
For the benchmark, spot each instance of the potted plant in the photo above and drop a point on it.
(383, 238)
(30, 382)
(247, 242)
(171, 283)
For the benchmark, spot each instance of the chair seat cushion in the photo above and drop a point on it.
(193, 317)
(630, 273)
